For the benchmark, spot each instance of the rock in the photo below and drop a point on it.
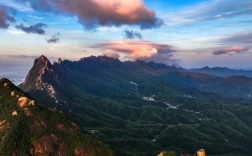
(45, 145)
(32, 103)
(80, 151)
(3, 125)
(28, 112)
(6, 85)
(13, 94)
(14, 113)
(201, 152)
(22, 101)
(167, 153)
(61, 127)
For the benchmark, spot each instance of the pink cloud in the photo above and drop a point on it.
(111, 54)
(92, 13)
(230, 50)
(139, 50)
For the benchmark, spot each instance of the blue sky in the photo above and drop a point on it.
(192, 33)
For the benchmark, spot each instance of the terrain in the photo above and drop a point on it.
(141, 108)
(223, 72)
(28, 128)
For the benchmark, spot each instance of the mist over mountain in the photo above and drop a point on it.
(143, 108)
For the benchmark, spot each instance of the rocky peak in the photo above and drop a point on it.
(42, 67)
(42, 61)
(59, 60)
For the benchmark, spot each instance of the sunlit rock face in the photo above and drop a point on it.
(201, 152)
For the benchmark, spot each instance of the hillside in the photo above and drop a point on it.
(223, 72)
(27, 128)
(144, 108)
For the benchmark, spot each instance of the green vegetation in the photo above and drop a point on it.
(144, 108)
(21, 133)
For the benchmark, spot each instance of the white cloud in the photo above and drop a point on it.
(20, 6)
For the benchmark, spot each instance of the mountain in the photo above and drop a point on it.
(223, 72)
(144, 108)
(27, 128)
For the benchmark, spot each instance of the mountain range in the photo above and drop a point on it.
(141, 108)
(223, 72)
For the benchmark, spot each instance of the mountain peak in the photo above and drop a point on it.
(37, 73)
(43, 61)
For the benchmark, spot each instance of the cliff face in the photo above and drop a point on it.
(26, 128)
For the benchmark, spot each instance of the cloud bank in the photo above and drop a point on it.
(139, 50)
(93, 13)
(230, 50)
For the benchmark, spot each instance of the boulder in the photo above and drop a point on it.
(14, 113)
(22, 102)
(13, 94)
(6, 85)
(32, 103)
(201, 152)
(45, 145)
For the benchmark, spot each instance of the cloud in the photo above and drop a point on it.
(130, 34)
(111, 54)
(54, 39)
(17, 5)
(5, 19)
(36, 28)
(210, 10)
(93, 13)
(239, 38)
(230, 50)
(139, 50)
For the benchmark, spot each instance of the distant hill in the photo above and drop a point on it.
(223, 72)
(144, 108)
(27, 128)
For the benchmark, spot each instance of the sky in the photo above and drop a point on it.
(191, 33)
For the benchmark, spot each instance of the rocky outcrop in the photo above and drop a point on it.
(80, 151)
(14, 113)
(201, 152)
(3, 125)
(13, 94)
(6, 85)
(29, 129)
(45, 145)
(22, 102)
